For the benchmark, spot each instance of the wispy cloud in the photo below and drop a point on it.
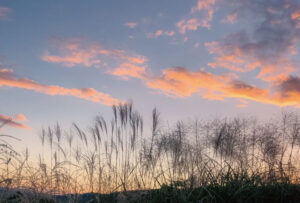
(200, 16)
(127, 70)
(74, 52)
(131, 24)
(204, 5)
(296, 17)
(4, 12)
(14, 121)
(71, 52)
(117, 62)
(7, 78)
(243, 104)
(231, 18)
(190, 24)
(270, 47)
(159, 33)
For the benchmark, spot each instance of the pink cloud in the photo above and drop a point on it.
(191, 24)
(159, 33)
(295, 16)
(134, 67)
(206, 7)
(181, 82)
(74, 52)
(127, 70)
(203, 5)
(237, 53)
(20, 117)
(231, 18)
(170, 33)
(7, 78)
(131, 24)
(134, 59)
(4, 12)
(71, 52)
(12, 121)
(270, 47)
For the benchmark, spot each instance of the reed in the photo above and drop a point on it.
(219, 160)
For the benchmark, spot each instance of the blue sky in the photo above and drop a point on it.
(67, 61)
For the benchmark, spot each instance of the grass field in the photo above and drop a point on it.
(220, 160)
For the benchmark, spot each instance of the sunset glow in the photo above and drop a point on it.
(107, 96)
(199, 55)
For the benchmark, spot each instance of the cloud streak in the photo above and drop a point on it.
(7, 78)
(131, 24)
(159, 33)
(71, 52)
(4, 12)
(181, 82)
(77, 52)
(14, 121)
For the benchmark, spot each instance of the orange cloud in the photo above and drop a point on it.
(71, 52)
(180, 82)
(131, 24)
(190, 24)
(231, 58)
(183, 83)
(203, 5)
(20, 117)
(269, 48)
(127, 70)
(295, 16)
(6, 120)
(7, 78)
(73, 59)
(134, 59)
(193, 23)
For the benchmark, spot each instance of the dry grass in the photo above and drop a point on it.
(206, 158)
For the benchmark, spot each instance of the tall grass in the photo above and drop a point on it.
(117, 155)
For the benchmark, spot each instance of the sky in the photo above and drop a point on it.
(68, 61)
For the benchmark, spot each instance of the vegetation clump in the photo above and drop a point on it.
(116, 160)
